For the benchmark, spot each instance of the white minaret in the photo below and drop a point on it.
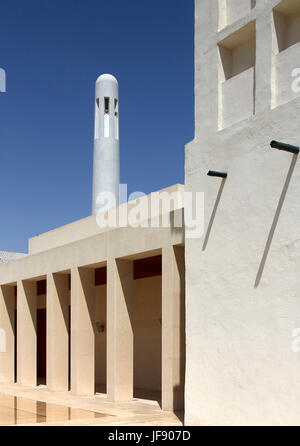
(106, 168)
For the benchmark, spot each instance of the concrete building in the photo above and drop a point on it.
(103, 312)
(242, 278)
(202, 324)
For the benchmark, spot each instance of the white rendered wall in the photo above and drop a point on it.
(237, 95)
(232, 10)
(242, 306)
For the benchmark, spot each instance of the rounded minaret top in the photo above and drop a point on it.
(107, 78)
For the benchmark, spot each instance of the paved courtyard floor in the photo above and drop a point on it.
(29, 406)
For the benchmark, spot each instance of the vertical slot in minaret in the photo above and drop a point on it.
(106, 117)
(116, 119)
(97, 118)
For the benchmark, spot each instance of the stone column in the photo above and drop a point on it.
(58, 332)
(26, 333)
(119, 330)
(82, 331)
(173, 328)
(7, 334)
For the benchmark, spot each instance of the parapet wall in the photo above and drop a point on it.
(88, 227)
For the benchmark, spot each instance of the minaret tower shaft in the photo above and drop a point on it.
(106, 166)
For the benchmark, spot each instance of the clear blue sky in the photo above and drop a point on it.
(53, 51)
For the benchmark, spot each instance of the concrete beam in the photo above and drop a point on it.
(122, 242)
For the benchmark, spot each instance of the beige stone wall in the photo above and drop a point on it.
(41, 301)
(147, 332)
(117, 249)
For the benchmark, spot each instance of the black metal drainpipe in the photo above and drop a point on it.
(285, 147)
(213, 173)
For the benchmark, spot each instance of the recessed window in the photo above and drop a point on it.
(236, 76)
(287, 23)
(237, 52)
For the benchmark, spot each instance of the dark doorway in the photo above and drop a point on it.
(41, 346)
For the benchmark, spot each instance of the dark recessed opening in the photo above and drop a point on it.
(106, 106)
(142, 268)
(149, 267)
(41, 287)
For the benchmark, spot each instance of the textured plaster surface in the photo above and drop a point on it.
(243, 290)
